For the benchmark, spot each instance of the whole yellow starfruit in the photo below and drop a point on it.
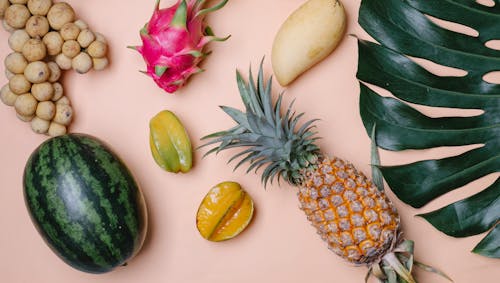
(170, 143)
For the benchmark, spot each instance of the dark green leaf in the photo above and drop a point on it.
(402, 29)
(377, 177)
(399, 126)
(419, 183)
(490, 245)
(472, 215)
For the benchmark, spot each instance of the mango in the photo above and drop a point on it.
(170, 144)
(307, 36)
(224, 212)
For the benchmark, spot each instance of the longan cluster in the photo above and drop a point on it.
(46, 38)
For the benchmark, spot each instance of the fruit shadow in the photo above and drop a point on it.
(150, 232)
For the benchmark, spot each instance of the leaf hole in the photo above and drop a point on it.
(380, 90)
(439, 70)
(492, 77)
(493, 44)
(431, 111)
(463, 192)
(393, 158)
(455, 27)
(442, 112)
(487, 3)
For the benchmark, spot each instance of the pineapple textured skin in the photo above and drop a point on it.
(358, 222)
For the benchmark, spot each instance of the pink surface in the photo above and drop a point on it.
(279, 246)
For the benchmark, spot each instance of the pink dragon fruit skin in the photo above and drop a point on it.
(174, 40)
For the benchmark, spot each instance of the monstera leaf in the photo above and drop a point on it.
(402, 29)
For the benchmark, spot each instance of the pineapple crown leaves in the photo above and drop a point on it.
(397, 265)
(272, 139)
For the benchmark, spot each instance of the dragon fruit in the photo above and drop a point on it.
(174, 41)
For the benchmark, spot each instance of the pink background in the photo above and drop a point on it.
(279, 246)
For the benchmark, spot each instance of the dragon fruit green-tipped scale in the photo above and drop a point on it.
(174, 41)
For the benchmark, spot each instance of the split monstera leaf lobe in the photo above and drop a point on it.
(402, 29)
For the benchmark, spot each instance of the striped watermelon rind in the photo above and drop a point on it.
(85, 203)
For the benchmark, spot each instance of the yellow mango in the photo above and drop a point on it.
(170, 143)
(307, 36)
(224, 212)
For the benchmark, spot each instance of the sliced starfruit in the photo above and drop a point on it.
(224, 212)
(170, 143)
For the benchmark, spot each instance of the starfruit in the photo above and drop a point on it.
(224, 212)
(170, 143)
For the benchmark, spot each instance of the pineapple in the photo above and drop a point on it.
(356, 220)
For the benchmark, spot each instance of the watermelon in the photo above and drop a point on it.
(85, 203)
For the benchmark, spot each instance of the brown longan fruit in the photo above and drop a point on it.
(63, 62)
(9, 74)
(54, 43)
(16, 16)
(37, 72)
(64, 100)
(26, 104)
(85, 38)
(58, 91)
(46, 110)
(34, 50)
(64, 114)
(71, 48)
(56, 129)
(18, 1)
(4, 4)
(97, 49)
(25, 118)
(82, 63)
(70, 31)
(7, 96)
(55, 72)
(60, 14)
(37, 26)
(81, 24)
(39, 7)
(19, 84)
(6, 26)
(17, 40)
(43, 91)
(15, 63)
(39, 125)
(100, 63)
(100, 37)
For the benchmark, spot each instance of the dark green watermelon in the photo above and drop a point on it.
(85, 203)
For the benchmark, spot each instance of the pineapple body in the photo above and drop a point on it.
(358, 222)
